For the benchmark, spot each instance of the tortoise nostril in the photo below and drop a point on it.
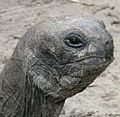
(109, 50)
(110, 46)
(109, 42)
(108, 57)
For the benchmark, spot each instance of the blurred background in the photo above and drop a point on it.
(100, 99)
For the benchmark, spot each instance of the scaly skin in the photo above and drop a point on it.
(54, 60)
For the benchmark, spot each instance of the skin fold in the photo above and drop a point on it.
(55, 59)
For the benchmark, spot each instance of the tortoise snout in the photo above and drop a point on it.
(109, 50)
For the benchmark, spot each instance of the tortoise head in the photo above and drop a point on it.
(68, 54)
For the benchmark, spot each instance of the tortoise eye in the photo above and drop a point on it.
(75, 41)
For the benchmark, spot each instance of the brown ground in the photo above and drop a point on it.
(102, 98)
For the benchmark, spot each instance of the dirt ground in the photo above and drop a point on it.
(100, 99)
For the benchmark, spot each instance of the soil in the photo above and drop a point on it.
(101, 98)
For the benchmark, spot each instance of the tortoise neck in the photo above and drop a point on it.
(39, 105)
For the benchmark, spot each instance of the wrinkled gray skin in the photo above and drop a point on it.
(54, 60)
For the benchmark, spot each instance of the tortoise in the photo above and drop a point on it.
(54, 60)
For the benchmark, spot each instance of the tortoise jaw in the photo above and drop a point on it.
(86, 58)
(102, 58)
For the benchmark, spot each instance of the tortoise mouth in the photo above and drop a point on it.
(94, 60)
(93, 65)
